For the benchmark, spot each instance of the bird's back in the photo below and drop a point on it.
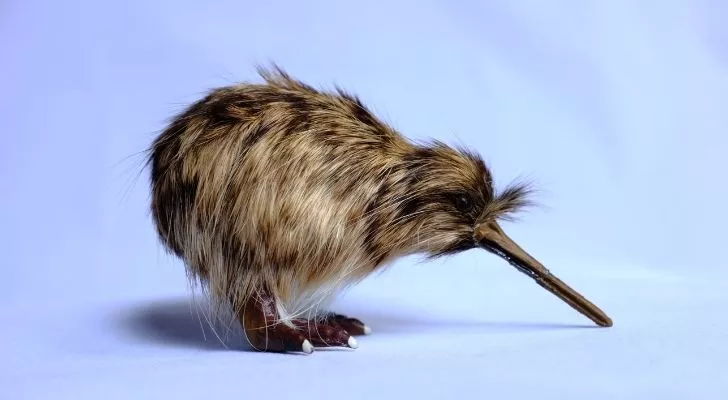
(275, 178)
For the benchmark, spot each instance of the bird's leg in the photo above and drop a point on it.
(259, 317)
(351, 325)
(260, 320)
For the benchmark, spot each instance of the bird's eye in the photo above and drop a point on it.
(463, 203)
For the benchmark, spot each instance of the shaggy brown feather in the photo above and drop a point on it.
(284, 188)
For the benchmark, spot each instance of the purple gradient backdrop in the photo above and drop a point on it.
(616, 109)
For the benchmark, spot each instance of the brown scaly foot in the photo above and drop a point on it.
(351, 325)
(259, 319)
(326, 334)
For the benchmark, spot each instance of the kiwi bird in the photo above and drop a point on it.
(278, 195)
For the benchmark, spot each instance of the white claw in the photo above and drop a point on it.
(367, 329)
(307, 347)
(352, 342)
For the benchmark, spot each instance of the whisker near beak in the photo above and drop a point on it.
(491, 237)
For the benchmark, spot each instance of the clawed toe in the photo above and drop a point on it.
(351, 325)
(307, 347)
(325, 334)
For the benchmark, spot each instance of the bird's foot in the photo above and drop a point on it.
(332, 330)
(266, 332)
(326, 333)
(305, 335)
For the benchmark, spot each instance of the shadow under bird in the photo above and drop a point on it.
(277, 196)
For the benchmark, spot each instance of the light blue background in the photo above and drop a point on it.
(617, 109)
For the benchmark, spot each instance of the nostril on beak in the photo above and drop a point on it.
(485, 230)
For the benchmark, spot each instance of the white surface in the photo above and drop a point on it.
(616, 109)
(507, 339)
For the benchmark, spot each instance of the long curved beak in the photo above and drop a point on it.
(491, 237)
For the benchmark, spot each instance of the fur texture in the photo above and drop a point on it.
(281, 187)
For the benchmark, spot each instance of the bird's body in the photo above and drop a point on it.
(279, 195)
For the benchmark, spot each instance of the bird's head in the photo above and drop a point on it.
(451, 205)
